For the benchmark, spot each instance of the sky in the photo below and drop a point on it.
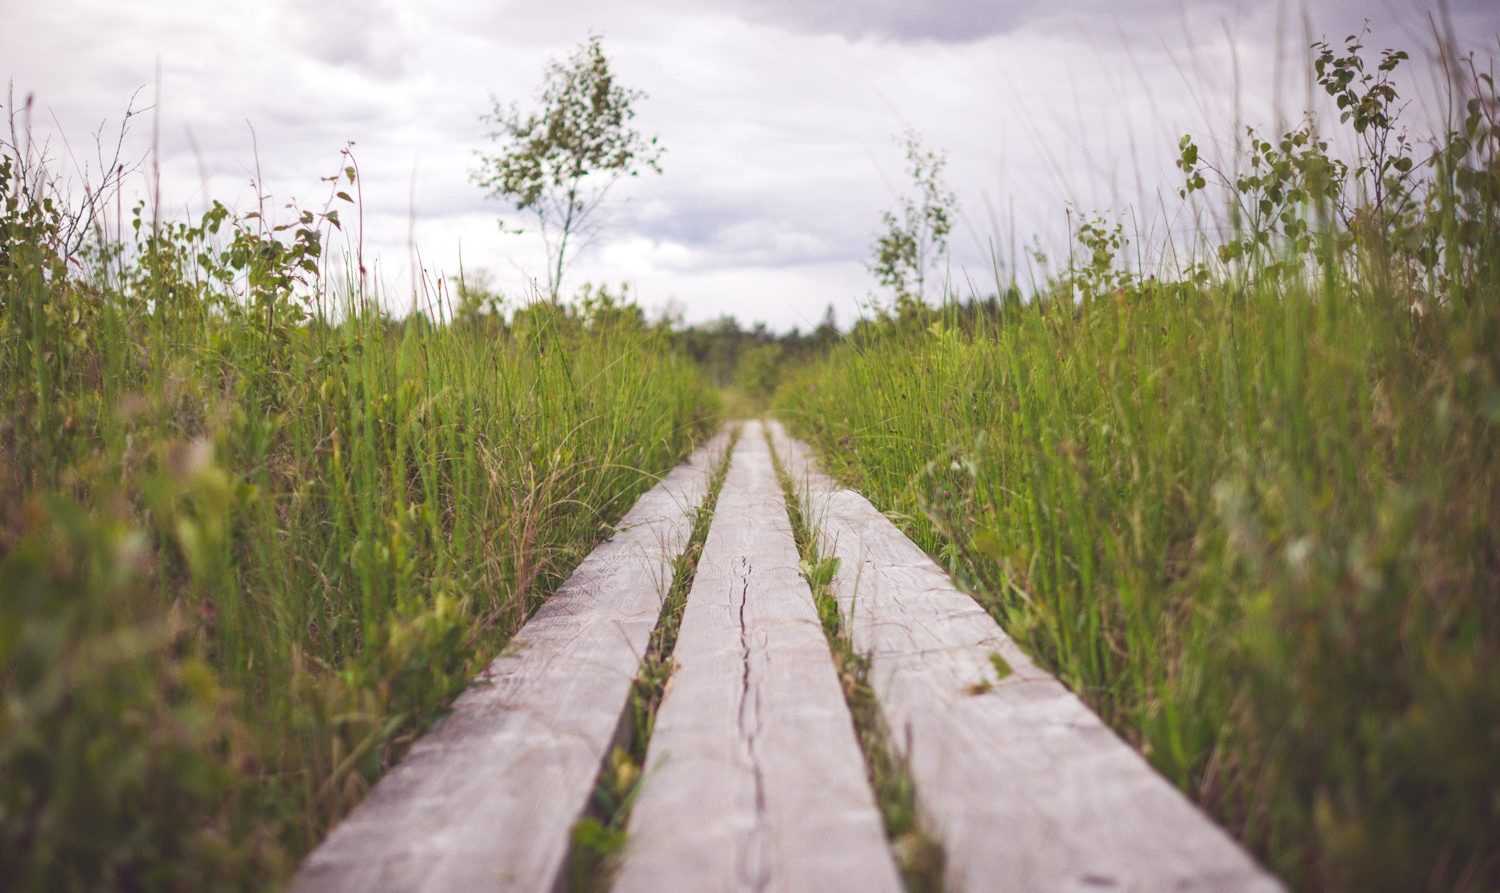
(779, 118)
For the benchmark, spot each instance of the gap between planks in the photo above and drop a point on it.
(487, 798)
(1026, 788)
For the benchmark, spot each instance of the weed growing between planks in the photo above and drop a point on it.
(918, 853)
(1248, 509)
(599, 837)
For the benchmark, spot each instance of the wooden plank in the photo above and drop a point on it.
(1027, 788)
(487, 798)
(753, 778)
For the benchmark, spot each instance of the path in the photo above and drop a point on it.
(753, 777)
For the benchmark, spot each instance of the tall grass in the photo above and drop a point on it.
(1249, 510)
(250, 544)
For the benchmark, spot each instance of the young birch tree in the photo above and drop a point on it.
(914, 238)
(559, 161)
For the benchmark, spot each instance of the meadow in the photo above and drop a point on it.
(1245, 503)
(255, 532)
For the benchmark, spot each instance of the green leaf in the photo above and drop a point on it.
(820, 573)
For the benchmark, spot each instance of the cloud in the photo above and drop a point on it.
(958, 21)
(778, 118)
(373, 38)
(953, 21)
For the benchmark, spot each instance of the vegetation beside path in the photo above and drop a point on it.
(1247, 507)
(255, 534)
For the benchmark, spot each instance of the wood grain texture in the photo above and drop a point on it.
(753, 778)
(1027, 789)
(486, 800)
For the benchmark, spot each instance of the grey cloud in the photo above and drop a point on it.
(953, 21)
(692, 224)
(366, 37)
(896, 21)
(967, 21)
(759, 244)
(944, 20)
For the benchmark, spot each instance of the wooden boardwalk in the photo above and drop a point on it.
(753, 777)
(754, 780)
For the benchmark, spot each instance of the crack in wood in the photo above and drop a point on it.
(754, 867)
(754, 780)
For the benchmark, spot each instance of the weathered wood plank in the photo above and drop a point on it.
(486, 799)
(753, 778)
(1027, 788)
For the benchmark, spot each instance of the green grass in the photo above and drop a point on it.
(254, 537)
(1249, 511)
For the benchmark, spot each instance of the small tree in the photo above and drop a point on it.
(560, 161)
(915, 236)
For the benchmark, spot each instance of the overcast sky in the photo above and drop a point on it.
(779, 117)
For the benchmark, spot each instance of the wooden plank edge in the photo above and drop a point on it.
(336, 863)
